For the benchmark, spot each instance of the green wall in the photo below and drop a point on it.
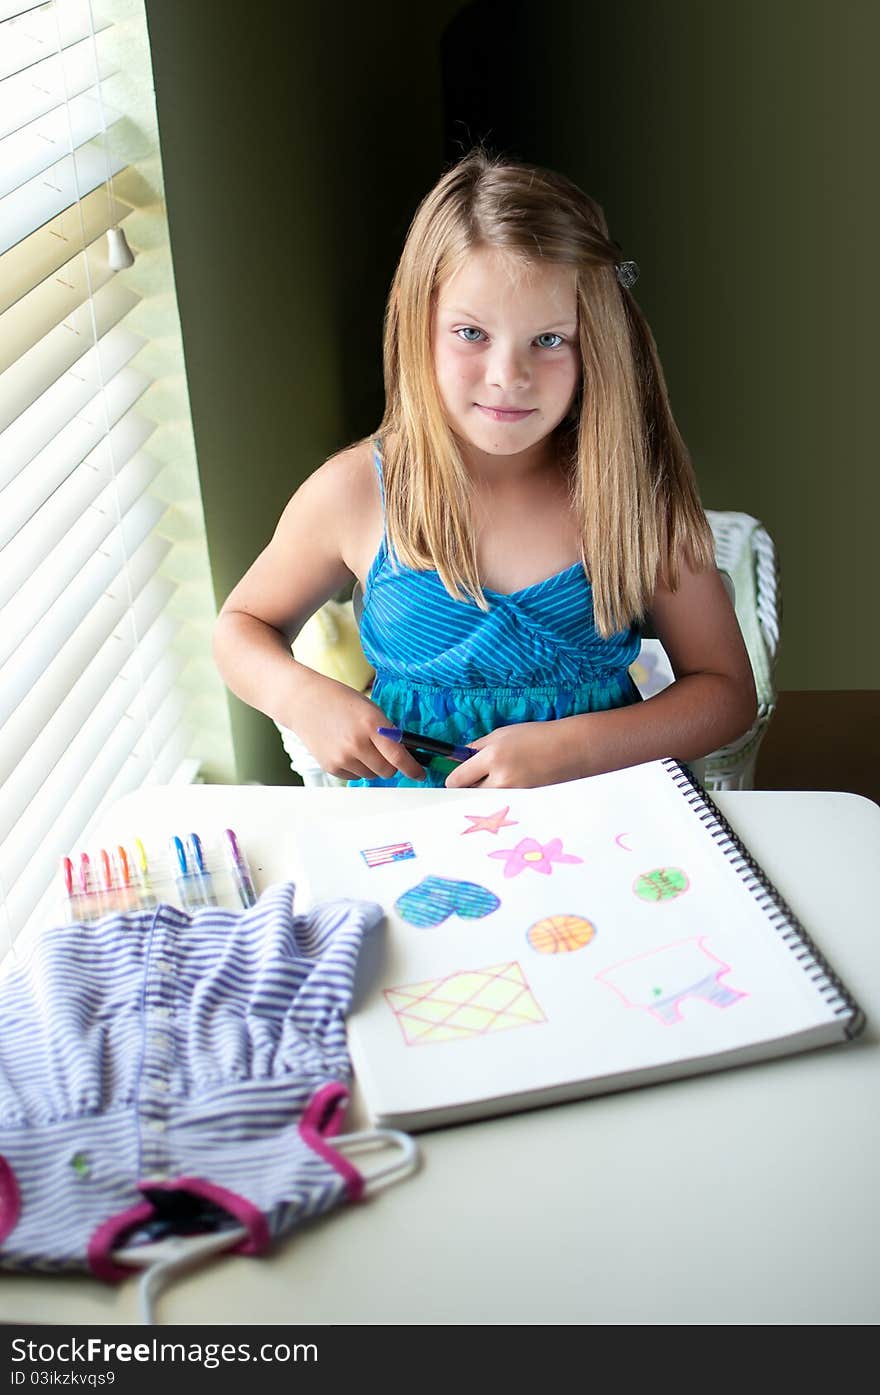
(732, 146)
(296, 144)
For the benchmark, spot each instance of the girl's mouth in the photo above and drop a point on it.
(504, 413)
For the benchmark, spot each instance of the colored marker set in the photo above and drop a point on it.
(183, 874)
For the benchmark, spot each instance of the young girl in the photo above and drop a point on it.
(526, 502)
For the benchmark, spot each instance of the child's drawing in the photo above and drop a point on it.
(621, 844)
(658, 982)
(435, 899)
(663, 884)
(560, 934)
(530, 855)
(469, 1003)
(392, 852)
(489, 823)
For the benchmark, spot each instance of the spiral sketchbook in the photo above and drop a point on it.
(549, 944)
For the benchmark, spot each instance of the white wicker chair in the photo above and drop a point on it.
(746, 557)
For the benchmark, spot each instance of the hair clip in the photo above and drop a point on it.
(627, 274)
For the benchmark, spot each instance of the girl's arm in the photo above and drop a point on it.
(711, 703)
(307, 561)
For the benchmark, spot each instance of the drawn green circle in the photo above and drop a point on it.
(661, 884)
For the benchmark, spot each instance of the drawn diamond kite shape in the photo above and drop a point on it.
(469, 1003)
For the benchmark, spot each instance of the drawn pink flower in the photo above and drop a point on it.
(530, 855)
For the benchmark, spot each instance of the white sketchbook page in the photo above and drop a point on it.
(423, 1036)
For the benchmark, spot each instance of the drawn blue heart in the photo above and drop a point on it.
(435, 899)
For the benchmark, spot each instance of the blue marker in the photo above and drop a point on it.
(427, 744)
(186, 882)
(200, 871)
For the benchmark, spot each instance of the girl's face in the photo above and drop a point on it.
(506, 352)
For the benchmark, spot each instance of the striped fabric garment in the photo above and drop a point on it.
(445, 668)
(165, 1071)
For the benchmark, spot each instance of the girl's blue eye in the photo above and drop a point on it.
(469, 334)
(540, 341)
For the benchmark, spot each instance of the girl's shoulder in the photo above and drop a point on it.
(351, 468)
(349, 487)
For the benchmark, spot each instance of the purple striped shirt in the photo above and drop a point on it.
(165, 1064)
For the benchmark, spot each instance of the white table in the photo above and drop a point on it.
(748, 1196)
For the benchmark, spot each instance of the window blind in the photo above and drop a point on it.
(105, 594)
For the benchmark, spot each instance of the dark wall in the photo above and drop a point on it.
(295, 149)
(733, 149)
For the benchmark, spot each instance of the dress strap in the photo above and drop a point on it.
(377, 461)
(380, 557)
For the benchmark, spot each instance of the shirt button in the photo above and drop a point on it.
(164, 967)
(163, 1013)
(155, 1125)
(158, 1040)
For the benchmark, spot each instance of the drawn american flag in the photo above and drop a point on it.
(393, 852)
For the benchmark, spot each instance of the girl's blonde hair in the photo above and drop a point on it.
(632, 484)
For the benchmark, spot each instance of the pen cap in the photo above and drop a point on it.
(238, 866)
(230, 845)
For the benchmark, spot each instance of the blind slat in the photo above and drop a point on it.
(70, 539)
(69, 742)
(80, 620)
(125, 705)
(55, 439)
(68, 714)
(48, 369)
(41, 198)
(158, 755)
(30, 261)
(33, 35)
(29, 886)
(35, 148)
(82, 490)
(8, 8)
(48, 84)
(55, 299)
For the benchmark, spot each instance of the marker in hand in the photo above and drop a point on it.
(429, 745)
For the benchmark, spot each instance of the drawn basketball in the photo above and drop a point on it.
(560, 934)
(662, 884)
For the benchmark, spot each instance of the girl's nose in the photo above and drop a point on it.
(507, 367)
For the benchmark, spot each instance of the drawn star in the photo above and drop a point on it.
(530, 855)
(489, 823)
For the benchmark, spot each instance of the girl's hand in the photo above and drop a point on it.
(515, 757)
(338, 726)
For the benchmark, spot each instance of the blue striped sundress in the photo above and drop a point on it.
(447, 669)
(159, 1062)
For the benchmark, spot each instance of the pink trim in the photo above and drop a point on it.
(10, 1199)
(109, 1234)
(322, 1120)
(103, 1241)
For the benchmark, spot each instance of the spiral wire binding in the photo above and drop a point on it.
(776, 908)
